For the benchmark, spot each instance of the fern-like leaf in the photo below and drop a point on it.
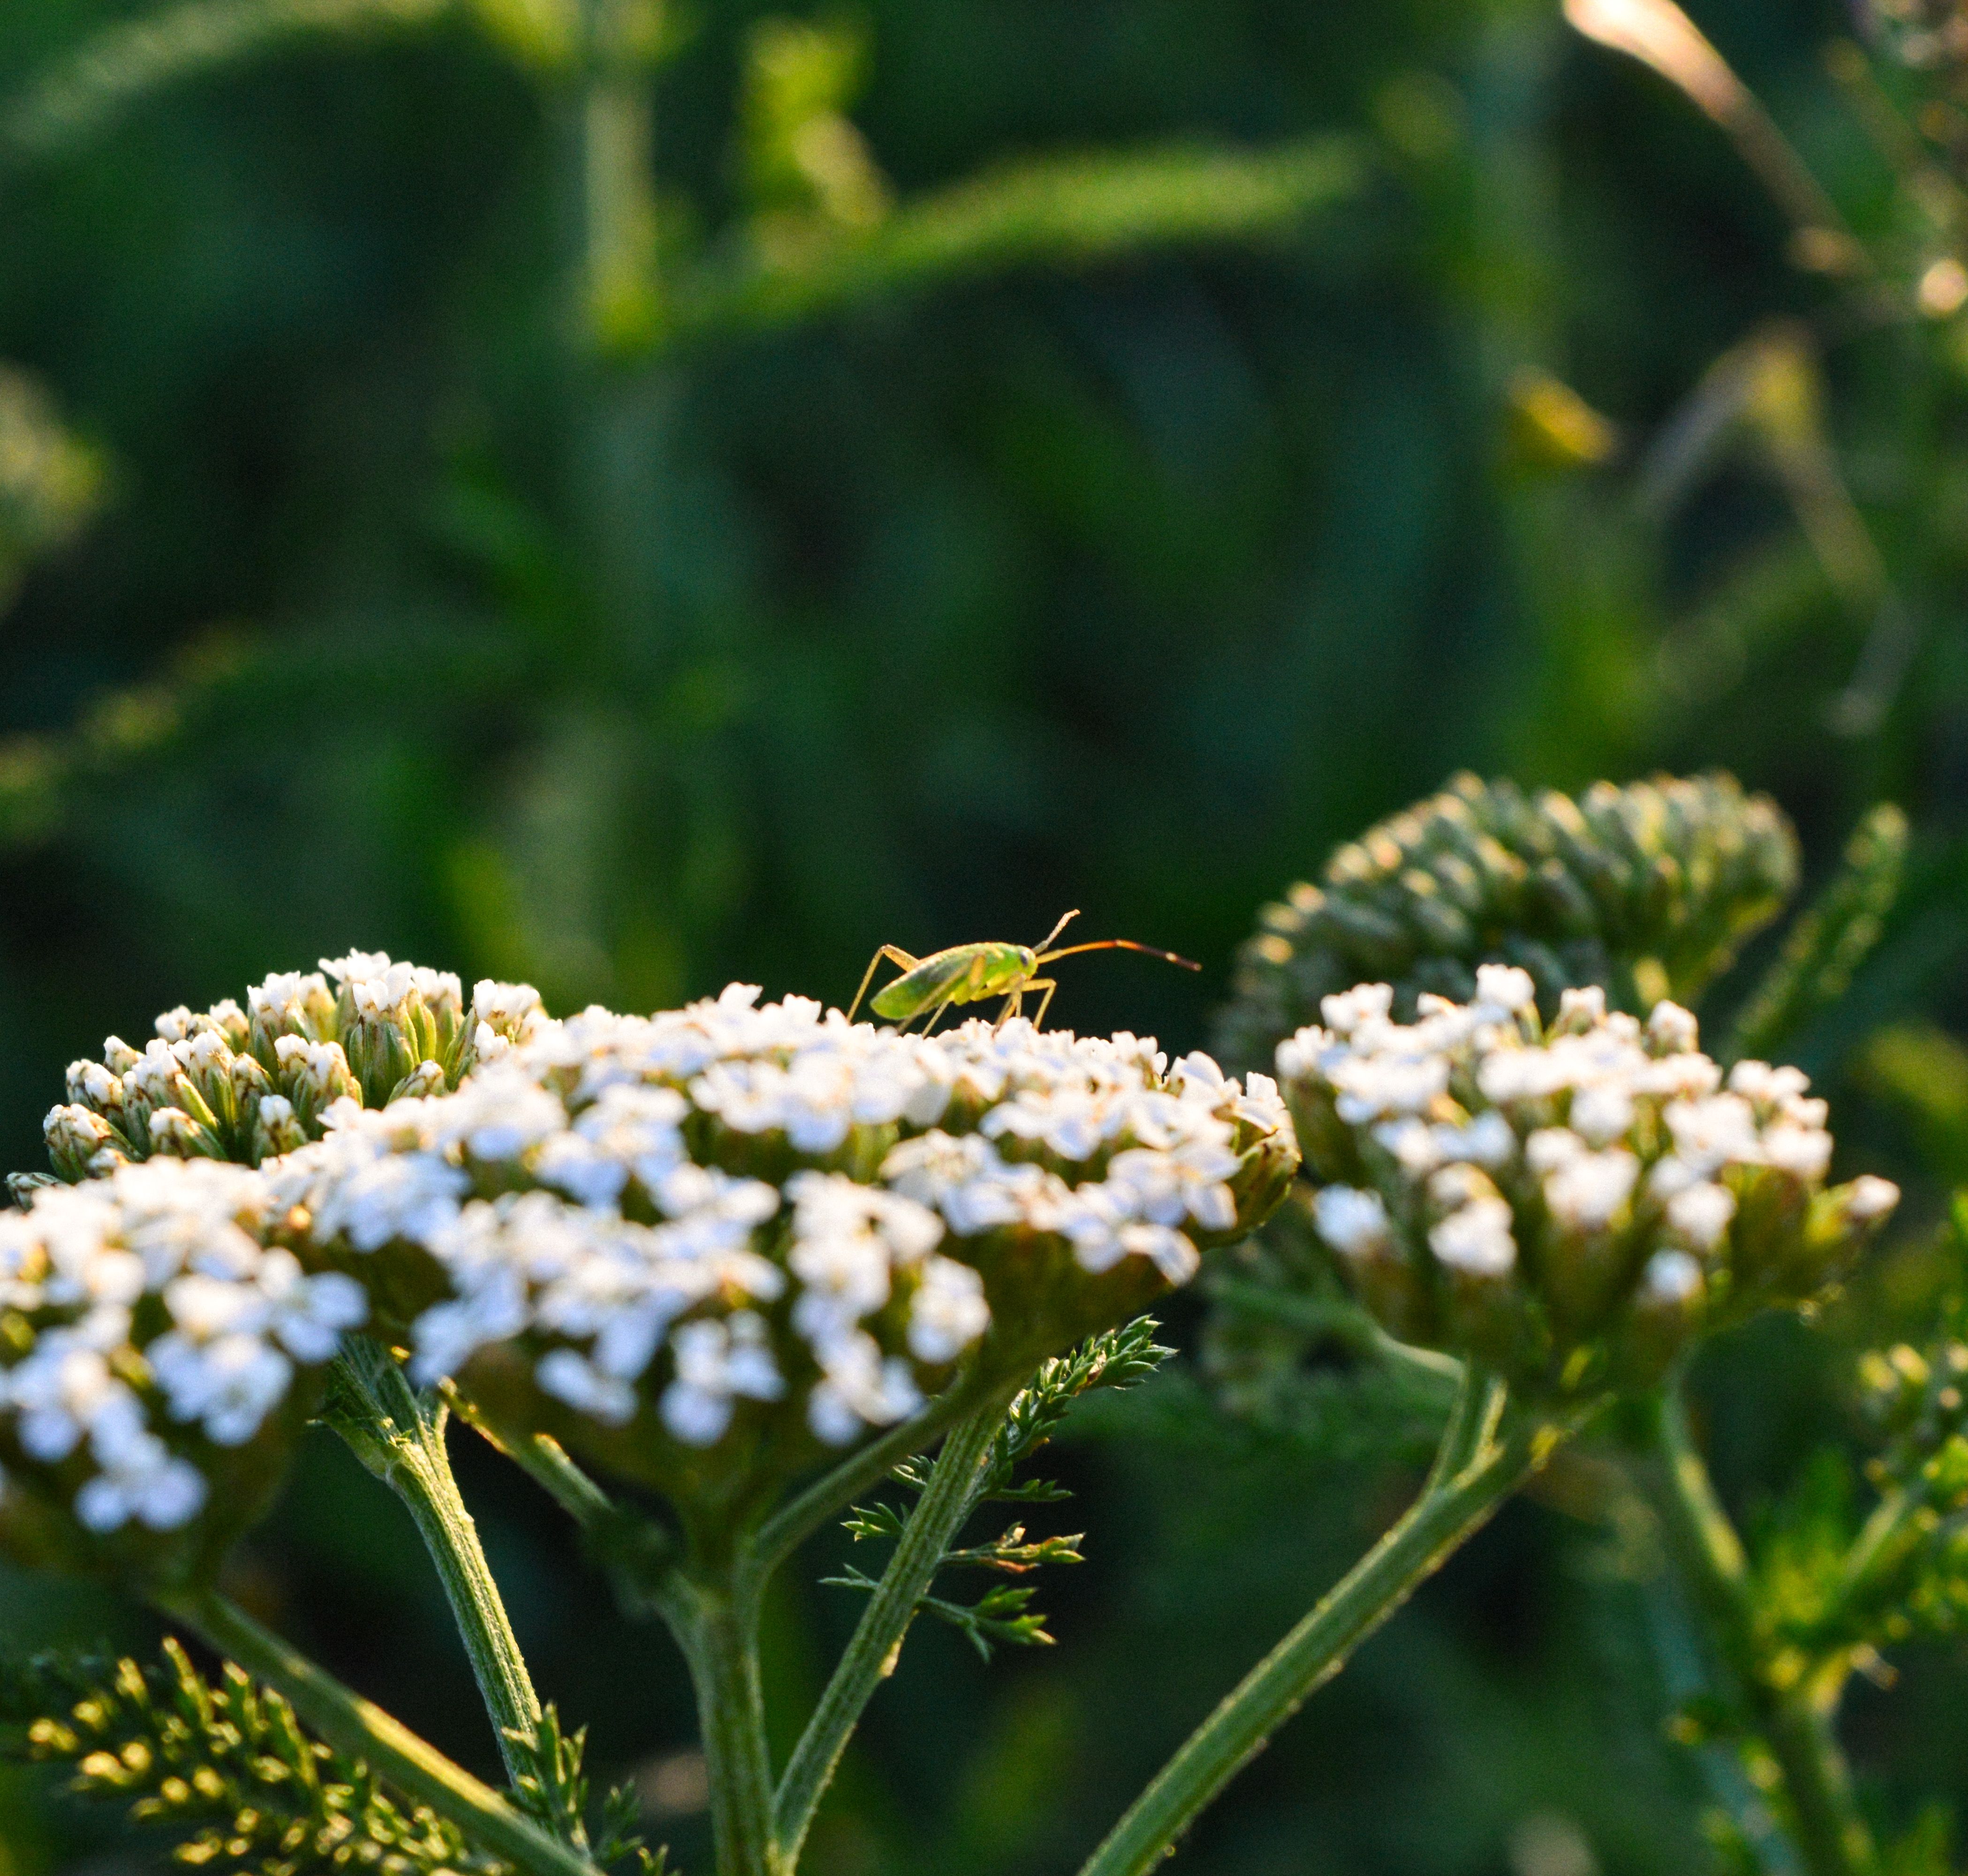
(223, 1766)
(1116, 1358)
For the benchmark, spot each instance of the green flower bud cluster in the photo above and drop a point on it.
(1918, 1401)
(702, 1248)
(1568, 1204)
(1646, 890)
(246, 1084)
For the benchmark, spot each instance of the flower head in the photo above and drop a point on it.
(1569, 1204)
(158, 1353)
(704, 1243)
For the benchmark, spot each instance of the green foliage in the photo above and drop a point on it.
(1823, 949)
(1116, 1360)
(555, 1794)
(223, 1767)
(51, 484)
(1287, 1348)
(1647, 891)
(1071, 211)
(227, 1771)
(1923, 1071)
(135, 58)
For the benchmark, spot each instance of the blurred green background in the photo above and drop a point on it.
(635, 521)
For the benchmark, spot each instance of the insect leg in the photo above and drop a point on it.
(968, 989)
(936, 1015)
(895, 955)
(1048, 986)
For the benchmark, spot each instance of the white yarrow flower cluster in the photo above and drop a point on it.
(1472, 1163)
(738, 1202)
(143, 1313)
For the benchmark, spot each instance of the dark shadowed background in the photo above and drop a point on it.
(380, 578)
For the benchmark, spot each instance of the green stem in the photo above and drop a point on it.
(399, 1436)
(1346, 1322)
(1796, 1718)
(1894, 1529)
(947, 1500)
(638, 1553)
(833, 1491)
(719, 1634)
(1438, 1521)
(621, 305)
(1471, 1424)
(364, 1731)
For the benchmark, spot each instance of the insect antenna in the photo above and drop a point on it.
(1056, 930)
(1119, 944)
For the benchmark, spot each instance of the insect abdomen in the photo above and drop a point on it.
(963, 973)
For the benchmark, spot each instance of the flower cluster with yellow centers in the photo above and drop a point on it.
(158, 1345)
(1570, 1205)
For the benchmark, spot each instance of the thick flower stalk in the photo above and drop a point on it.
(249, 1084)
(1647, 891)
(1569, 1204)
(704, 1247)
(161, 1346)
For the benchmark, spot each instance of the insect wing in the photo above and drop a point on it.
(924, 987)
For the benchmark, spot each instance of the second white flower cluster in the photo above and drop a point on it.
(1605, 1169)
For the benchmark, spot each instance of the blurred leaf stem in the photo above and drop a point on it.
(1829, 943)
(129, 60)
(1793, 1715)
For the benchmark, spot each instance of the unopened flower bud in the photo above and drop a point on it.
(251, 1082)
(91, 1085)
(427, 1078)
(226, 1017)
(1355, 1224)
(313, 1074)
(276, 1129)
(1666, 1311)
(75, 1135)
(118, 1057)
(174, 1131)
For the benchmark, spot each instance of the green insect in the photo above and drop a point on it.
(970, 973)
